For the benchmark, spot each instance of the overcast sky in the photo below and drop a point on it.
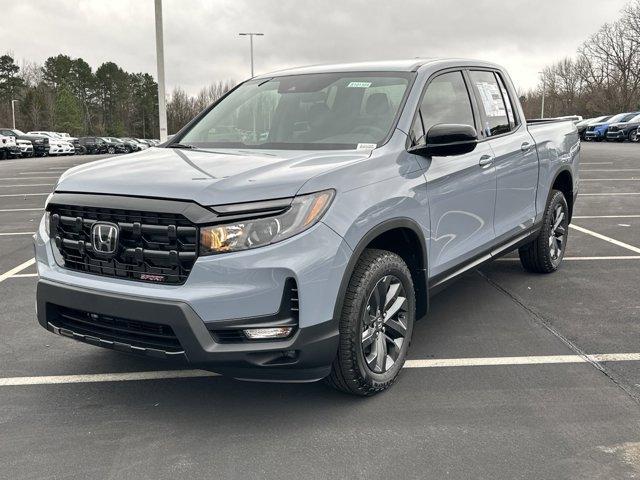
(202, 43)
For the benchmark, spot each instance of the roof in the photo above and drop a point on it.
(407, 65)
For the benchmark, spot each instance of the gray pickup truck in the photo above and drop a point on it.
(295, 230)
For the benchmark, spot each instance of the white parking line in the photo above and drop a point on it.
(17, 269)
(427, 363)
(29, 275)
(10, 234)
(32, 185)
(596, 163)
(25, 194)
(599, 194)
(597, 216)
(605, 238)
(24, 209)
(610, 170)
(610, 180)
(26, 178)
(614, 257)
(29, 173)
(532, 360)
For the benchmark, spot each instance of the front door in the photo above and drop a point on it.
(461, 189)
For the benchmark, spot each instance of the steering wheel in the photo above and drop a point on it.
(370, 129)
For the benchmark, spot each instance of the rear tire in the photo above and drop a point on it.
(375, 326)
(545, 253)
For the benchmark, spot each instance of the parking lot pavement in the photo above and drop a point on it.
(529, 417)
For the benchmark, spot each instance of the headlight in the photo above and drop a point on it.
(304, 212)
(47, 223)
(47, 215)
(39, 140)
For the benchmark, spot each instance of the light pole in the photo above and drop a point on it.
(13, 112)
(251, 35)
(543, 92)
(162, 101)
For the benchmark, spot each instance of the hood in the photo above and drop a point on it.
(209, 177)
(32, 137)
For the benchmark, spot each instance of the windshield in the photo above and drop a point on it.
(618, 118)
(318, 111)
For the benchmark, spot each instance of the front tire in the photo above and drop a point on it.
(375, 326)
(545, 253)
(633, 136)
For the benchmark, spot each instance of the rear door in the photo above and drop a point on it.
(461, 188)
(515, 156)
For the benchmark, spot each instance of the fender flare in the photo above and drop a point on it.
(570, 201)
(379, 229)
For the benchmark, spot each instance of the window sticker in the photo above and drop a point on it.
(359, 85)
(491, 99)
(366, 146)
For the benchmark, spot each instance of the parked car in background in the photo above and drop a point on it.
(26, 148)
(144, 142)
(584, 124)
(40, 142)
(8, 147)
(57, 144)
(114, 145)
(93, 145)
(622, 131)
(598, 131)
(135, 144)
(128, 146)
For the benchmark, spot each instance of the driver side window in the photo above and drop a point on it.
(446, 100)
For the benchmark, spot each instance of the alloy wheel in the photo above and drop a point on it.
(384, 324)
(557, 234)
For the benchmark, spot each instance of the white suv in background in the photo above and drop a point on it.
(57, 145)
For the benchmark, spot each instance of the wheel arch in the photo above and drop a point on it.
(563, 181)
(412, 248)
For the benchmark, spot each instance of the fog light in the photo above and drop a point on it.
(262, 333)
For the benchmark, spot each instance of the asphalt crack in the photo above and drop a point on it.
(540, 320)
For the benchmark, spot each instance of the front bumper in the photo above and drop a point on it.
(222, 291)
(40, 149)
(64, 150)
(617, 135)
(14, 151)
(306, 356)
(593, 134)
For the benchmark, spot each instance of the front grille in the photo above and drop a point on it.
(152, 247)
(113, 329)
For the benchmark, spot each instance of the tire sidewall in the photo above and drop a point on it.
(558, 198)
(377, 272)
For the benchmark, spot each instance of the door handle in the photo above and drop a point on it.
(485, 160)
(525, 147)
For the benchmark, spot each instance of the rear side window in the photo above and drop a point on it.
(446, 100)
(498, 115)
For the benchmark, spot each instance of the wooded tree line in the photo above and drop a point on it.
(603, 77)
(66, 95)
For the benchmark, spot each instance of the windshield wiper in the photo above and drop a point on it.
(179, 145)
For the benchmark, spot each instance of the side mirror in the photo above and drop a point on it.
(446, 139)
